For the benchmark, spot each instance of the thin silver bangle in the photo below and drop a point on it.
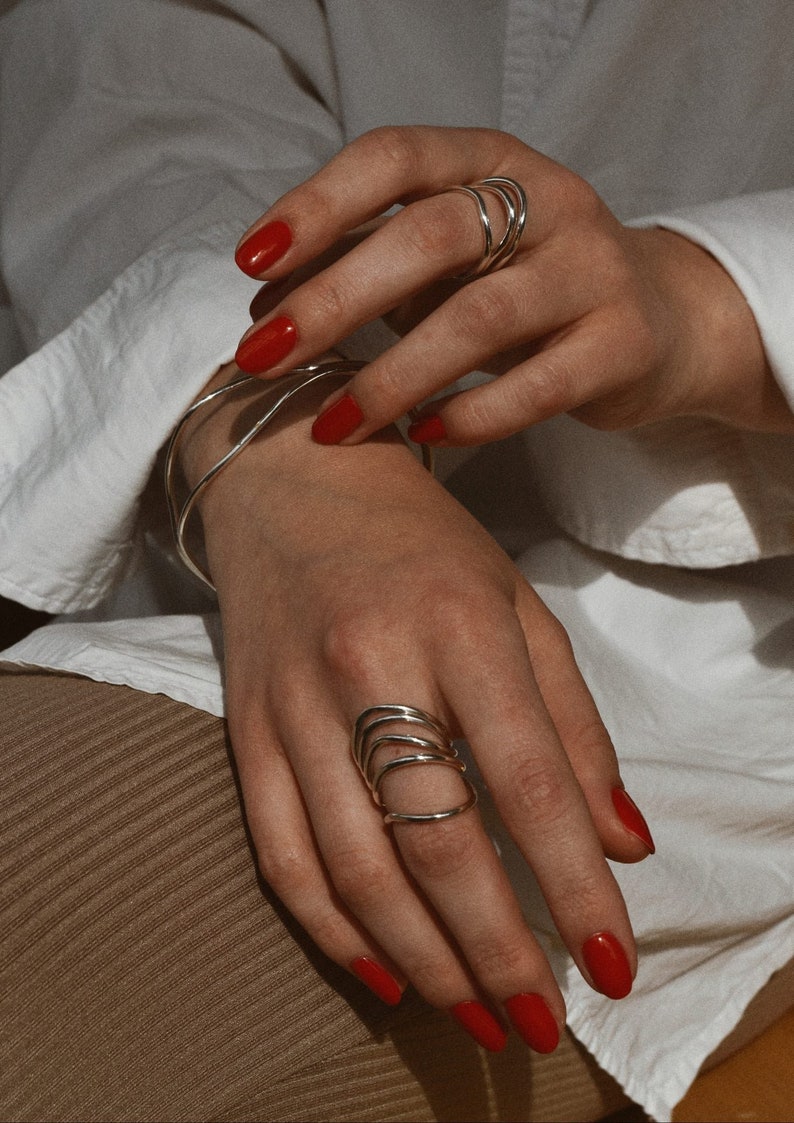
(298, 379)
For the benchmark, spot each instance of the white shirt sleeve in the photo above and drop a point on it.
(692, 492)
(752, 237)
(131, 163)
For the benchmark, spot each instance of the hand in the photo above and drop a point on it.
(614, 325)
(348, 578)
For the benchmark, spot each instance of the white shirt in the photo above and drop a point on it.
(130, 164)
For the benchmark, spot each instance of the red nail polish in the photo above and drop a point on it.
(534, 1021)
(378, 980)
(481, 1024)
(427, 430)
(631, 817)
(267, 346)
(338, 421)
(609, 968)
(263, 249)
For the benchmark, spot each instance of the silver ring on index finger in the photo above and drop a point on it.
(514, 200)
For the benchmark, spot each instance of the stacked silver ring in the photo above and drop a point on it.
(514, 200)
(431, 745)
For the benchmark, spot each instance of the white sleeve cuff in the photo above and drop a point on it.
(84, 417)
(752, 237)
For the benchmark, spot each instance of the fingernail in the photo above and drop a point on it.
(481, 1024)
(263, 249)
(338, 421)
(378, 980)
(609, 968)
(534, 1021)
(427, 430)
(631, 817)
(264, 348)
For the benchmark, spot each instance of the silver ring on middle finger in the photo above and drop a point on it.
(370, 733)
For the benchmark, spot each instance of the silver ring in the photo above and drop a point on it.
(514, 200)
(431, 745)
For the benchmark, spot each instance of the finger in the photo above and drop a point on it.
(423, 243)
(453, 860)
(575, 372)
(462, 893)
(624, 833)
(535, 789)
(535, 307)
(383, 167)
(358, 852)
(290, 862)
(489, 316)
(273, 292)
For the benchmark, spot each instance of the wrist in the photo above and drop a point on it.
(282, 493)
(722, 368)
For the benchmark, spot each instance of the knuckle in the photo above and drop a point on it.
(310, 198)
(558, 635)
(588, 892)
(552, 386)
(576, 196)
(329, 930)
(328, 303)
(456, 610)
(609, 266)
(285, 868)
(626, 408)
(612, 414)
(434, 851)
(391, 146)
(430, 227)
(581, 893)
(387, 389)
(432, 979)
(495, 961)
(350, 644)
(589, 734)
(480, 416)
(362, 880)
(537, 790)
(485, 310)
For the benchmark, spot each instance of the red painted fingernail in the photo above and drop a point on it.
(534, 1021)
(481, 1024)
(338, 421)
(427, 430)
(264, 348)
(609, 968)
(378, 979)
(263, 249)
(631, 817)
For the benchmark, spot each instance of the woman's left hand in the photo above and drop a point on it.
(617, 326)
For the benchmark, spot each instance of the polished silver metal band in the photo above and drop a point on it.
(370, 733)
(514, 200)
(281, 393)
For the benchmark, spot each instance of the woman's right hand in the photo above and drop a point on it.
(348, 578)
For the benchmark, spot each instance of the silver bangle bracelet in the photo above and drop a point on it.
(297, 380)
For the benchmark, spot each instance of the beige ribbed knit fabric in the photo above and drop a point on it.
(147, 974)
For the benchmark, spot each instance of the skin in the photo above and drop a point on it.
(619, 327)
(347, 577)
(317, 628)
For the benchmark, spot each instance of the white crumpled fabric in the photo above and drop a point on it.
(116, 252)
